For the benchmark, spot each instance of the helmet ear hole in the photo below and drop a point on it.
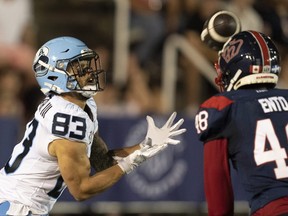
(53, 78)
(39, 68)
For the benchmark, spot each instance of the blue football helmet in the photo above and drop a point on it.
(60, 62)
(248, 57)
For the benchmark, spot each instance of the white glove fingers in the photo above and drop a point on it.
(150, 121)
(154, 150)
(177, 125)
(177, 132)
(117, 158)
(146, 143)
(173, 141)
(170, 120)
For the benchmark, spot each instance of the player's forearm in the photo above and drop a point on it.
(96, 184)
(217, 181)
(100, 158)
(123, 152)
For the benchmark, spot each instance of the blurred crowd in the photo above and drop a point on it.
(151, 23)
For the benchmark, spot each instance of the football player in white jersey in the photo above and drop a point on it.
(62, 143)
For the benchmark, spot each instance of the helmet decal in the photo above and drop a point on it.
(231, 50)
(264, 50)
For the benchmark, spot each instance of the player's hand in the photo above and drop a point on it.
(129, 163)
(165, 134)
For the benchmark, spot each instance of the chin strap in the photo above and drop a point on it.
(49, 67)
(234, 79)
(218, 79)
(88, 91)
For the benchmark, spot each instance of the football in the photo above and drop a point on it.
(219, 28)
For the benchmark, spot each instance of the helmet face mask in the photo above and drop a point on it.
(66, 64)
(85, 75)
(248, 58)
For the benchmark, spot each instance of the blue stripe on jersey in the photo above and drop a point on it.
(4, 207)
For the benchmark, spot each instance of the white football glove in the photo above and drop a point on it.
(129, 163)
(165, 134)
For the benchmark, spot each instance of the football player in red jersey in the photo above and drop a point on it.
(246, 125)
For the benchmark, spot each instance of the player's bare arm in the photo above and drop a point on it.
(75, 169)
(154, 136)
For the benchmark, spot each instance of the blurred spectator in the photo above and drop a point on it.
(275, 16)
(143, 90)
(14, 17)
(17, 50)
(147, 34)
(249, 17)
(196, 88)
(140, 95)
(16, 35)
(147, 28)
(11, 86)
(282, 10)
(18, 57)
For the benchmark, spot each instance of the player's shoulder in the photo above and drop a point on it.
(225, 99)
(219, 101)
(92, 104)
(55, 104)
(215, 114)
(277, 91)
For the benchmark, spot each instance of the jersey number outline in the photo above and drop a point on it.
(265, 131)
(61, 123)
(201, 121)
(27, 143)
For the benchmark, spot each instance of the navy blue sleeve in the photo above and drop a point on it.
(213, 118)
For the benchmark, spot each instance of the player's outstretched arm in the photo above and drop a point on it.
(75, 170)
(101, 158)
(129, 163)
(75, 167)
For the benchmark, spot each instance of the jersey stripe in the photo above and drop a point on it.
(45, 109)
(217, 102)
(264, 48)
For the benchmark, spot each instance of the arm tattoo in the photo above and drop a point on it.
(101, 158)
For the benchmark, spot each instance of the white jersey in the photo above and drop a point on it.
(32, 176)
